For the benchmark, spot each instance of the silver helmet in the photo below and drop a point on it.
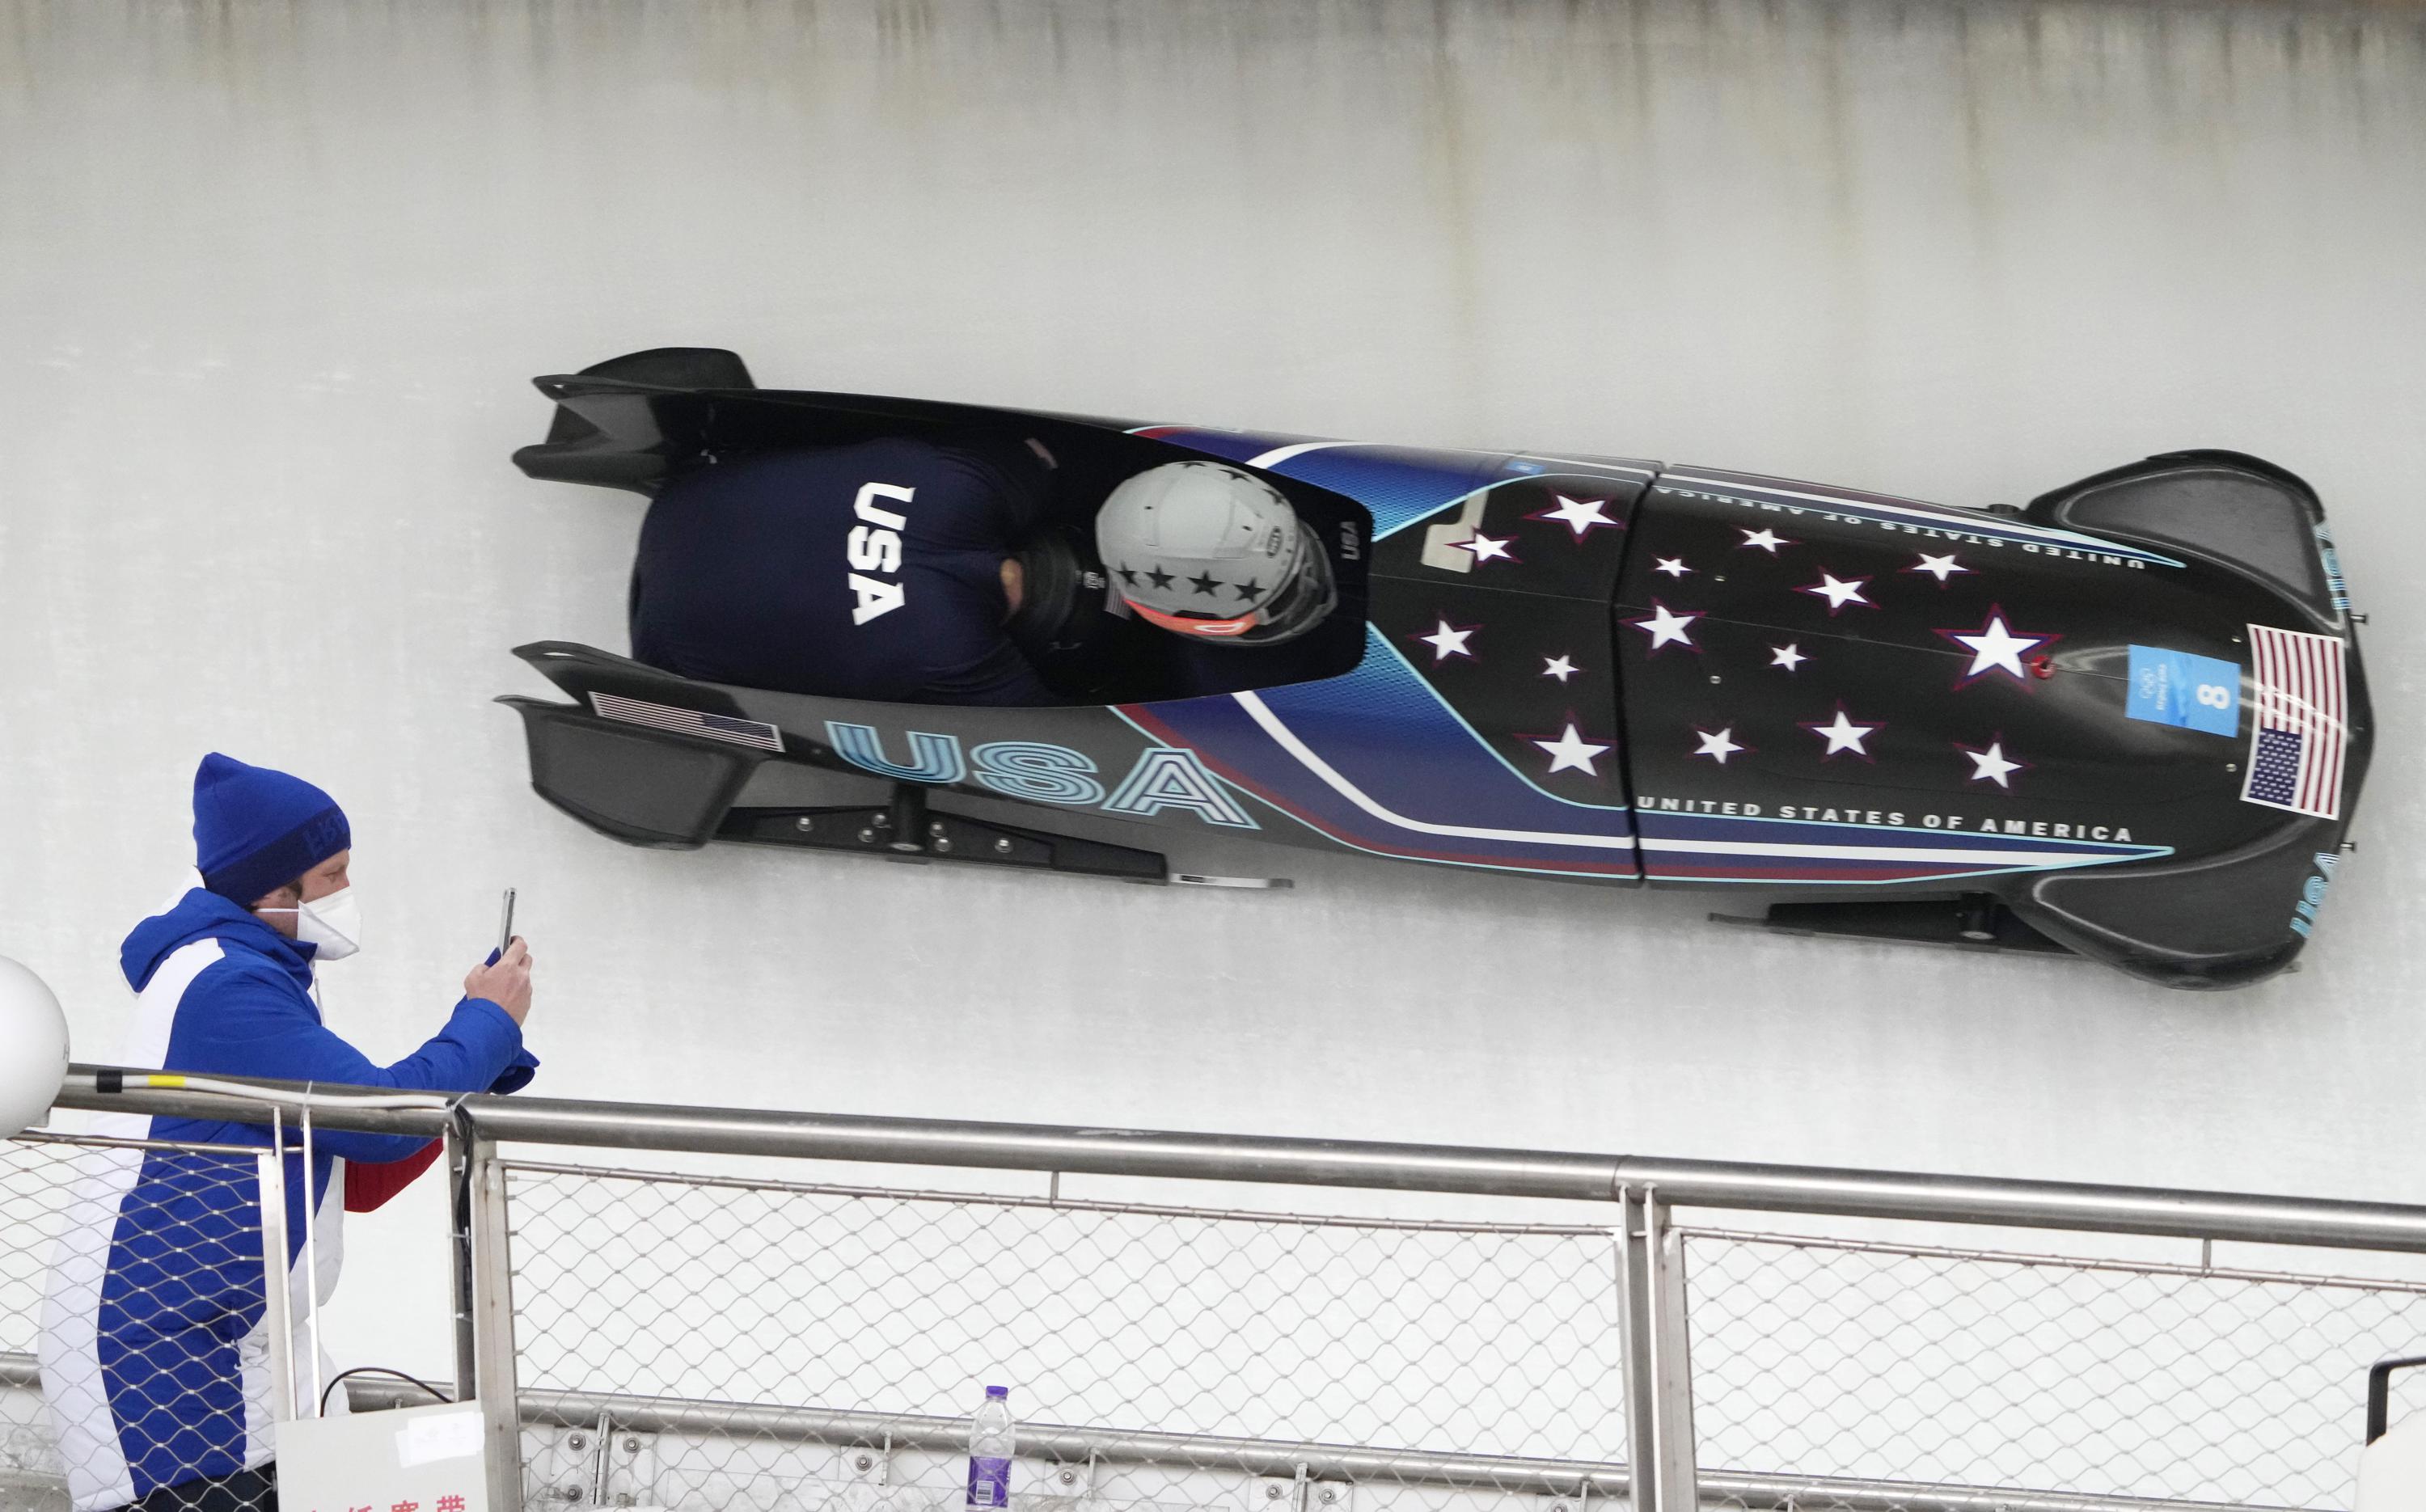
(1208, 551)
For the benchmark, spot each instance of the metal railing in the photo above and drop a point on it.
(656, 1338)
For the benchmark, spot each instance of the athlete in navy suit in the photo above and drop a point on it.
(885, 570)
(907, 570)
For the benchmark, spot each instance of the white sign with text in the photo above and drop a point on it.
(411, 1459)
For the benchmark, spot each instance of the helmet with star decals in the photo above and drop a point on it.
(1210, 552)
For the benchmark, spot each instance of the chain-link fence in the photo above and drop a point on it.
(131, 1299)
(36, 1179)
(684, 1341)
(1878, 1362)
(797, 1345)
(1199, 1328)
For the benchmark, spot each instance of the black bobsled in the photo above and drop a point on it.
(2127, 721)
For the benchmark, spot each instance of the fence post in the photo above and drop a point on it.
(493, 1325)
(276, 1321)
(459, 1208)
(1672, 1337)
(1659, 1357)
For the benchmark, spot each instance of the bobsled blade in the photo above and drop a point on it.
(1972, 922)
(1199, 880)
(909, 829)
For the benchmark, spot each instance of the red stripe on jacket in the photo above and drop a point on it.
(368, 1187)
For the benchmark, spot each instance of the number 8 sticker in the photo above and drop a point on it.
(2184, 689)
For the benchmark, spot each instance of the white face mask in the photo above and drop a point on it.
(333, 923)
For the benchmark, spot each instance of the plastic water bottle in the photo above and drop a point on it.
(993, 1439)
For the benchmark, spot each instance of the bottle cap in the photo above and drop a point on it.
(996, 1393)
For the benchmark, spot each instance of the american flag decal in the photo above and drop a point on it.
(689, 721)
(2300, 722)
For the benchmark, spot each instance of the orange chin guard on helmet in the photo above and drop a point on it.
(1190, 625)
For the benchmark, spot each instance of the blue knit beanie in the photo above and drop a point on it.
(255, 830)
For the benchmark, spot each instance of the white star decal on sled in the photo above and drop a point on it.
(1789, 657)
(1991, 765)
(1487, 548)
(1766, 538)
(1673, 566)
(1666, 628)
(1717, 747)
(1570, 751)
(1996, 648)
(1561, 667)
(1839, 592)
(1449, 640)
(1582, 516)
(1842, 735)
(1940, 568)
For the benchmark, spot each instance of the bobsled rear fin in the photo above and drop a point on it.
(640, 785)
(677, 367)
(622, 423)
(2236, 509)
(585, 672)
(608, 435)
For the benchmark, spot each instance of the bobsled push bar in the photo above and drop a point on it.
(663, 789)
(908, 828)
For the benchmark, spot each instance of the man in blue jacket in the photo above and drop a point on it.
(156, 1348)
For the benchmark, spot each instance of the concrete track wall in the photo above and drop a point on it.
(272, 276)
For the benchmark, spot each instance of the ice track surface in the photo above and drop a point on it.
(272, 277)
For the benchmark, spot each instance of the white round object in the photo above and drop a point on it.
(33, 1048)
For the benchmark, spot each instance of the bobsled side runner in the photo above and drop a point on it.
(2127, 721)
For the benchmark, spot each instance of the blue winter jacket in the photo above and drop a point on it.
(155, 1352)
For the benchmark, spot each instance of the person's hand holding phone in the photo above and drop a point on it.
(503, 979)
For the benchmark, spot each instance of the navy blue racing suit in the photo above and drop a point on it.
(872, 571)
